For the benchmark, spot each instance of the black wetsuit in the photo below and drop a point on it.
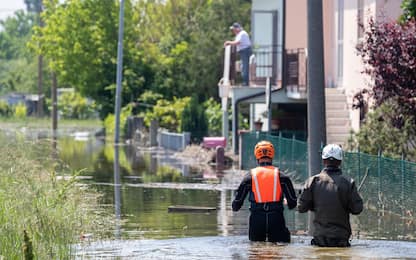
(267, 222)
(332, 197)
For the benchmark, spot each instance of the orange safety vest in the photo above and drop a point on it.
(265, 184)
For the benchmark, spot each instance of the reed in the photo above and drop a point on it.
(41, 217)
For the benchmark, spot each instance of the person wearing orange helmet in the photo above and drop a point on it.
(267, 189)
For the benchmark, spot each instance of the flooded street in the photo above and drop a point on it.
(148, 181)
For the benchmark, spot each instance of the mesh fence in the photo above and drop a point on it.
(384, 183)
(290, 154)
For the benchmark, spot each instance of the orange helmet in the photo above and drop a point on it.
(264, 149)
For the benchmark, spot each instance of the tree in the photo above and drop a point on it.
(409, 10)
(18, 65)
(170, 47)
(389, 55)
(35, 6)
(14, 36)
(79, 41)
(186, 38)
(194, 120)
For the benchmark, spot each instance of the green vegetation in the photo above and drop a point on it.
(409, 10)
(45, 123)
(388, 52)
(73, 105)
(377, 134)
(214, 116)
(170, 47)
(172, 50)
(20, 111)
(194, 120)
(41, 216)
(168, 113)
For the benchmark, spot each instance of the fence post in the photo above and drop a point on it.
(403, 168)
(379, 170)
(293, 153)
(359, 164)
(186, 139)
(280, 149)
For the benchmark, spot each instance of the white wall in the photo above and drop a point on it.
(353, 79)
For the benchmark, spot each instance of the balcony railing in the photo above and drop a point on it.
(266, 62)
(296, 72)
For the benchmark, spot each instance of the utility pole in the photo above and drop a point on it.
(54, 104)
(119, 72)
(40, 66)
(316, 91)
(316, 87)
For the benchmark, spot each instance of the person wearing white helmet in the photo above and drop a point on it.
(332, 197)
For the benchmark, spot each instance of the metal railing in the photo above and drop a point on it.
(266, 62)
(174, 141)
(296, 70)
(385, 183)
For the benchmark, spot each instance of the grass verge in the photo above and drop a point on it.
(41, 217)
(46, 123)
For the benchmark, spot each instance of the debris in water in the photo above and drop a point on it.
(190, 209)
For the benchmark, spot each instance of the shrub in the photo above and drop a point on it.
(168, 113)
(20, 111)
(110, 121)
(42, 217)
(213, 112)
(377, 134)
(72, 105)
(5, 109)
(194, 120)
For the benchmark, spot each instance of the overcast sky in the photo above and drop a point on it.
(8, 7)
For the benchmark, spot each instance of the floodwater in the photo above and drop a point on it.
(142, 183)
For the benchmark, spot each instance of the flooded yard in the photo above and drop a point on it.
(140, 186)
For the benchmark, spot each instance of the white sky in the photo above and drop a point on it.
(8, 7)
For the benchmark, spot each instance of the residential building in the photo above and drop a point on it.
(280, 26)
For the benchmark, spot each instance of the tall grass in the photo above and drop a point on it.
(41, 216)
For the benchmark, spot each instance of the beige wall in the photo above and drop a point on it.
(389, 9)
(296, 25)
(296, 37)
(296, 32)
(329, 43)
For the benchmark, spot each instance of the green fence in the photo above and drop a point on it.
(290, 154)
(383, 182)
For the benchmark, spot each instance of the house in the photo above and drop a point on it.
(29, 100)
(279, 36)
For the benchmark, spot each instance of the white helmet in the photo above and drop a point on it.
(332, 151)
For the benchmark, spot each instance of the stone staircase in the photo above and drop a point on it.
(338, 123)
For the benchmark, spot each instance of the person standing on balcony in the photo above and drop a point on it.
(332, 197)
(243, 43)
(268, 190)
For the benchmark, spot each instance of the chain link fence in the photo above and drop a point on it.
(384, 183)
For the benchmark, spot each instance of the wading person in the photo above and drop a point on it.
(332, 197)
(243, 43)
(266, 187)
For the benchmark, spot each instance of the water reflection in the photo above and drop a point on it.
(117, 193)
(142, 183)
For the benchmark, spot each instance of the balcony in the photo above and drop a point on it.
(266, 63)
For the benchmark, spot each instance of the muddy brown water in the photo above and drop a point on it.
(148, 181)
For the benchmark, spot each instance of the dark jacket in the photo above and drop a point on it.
(245, 188)
(332, 197)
